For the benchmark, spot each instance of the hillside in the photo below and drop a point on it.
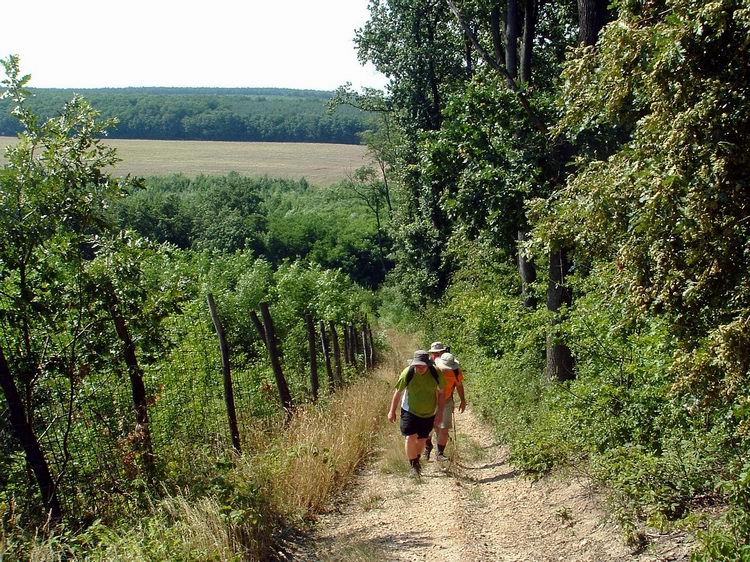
(229, 114)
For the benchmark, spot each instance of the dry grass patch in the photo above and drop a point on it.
(373, 501)
(317, 454)
(287, 474)
(394, 456)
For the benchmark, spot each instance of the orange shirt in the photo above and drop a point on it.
(452, 378)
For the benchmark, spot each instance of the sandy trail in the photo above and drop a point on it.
(474, 509)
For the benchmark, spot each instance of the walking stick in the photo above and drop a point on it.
(454, 455)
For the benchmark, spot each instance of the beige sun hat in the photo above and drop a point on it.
(437, 346)
(421, 357)
(447, 361)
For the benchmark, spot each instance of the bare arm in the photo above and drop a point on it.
(394, 404)
(440, 407)
(460, 389)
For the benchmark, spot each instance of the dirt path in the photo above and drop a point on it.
(475, 509)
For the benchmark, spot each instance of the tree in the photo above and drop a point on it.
(416, 45)
(667, 209)
(374, 194)
(552, 160)
(54, 197)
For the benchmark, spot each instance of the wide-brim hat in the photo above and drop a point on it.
(447, 361)
(437, 346)
(421, 357)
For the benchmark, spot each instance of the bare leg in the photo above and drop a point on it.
(442, 436)
(413, 446)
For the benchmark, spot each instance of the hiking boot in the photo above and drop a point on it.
(415, 472)
(441, 457)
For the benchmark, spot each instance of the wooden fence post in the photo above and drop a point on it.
(273, 355)
(345, 336)
(228, 388)
(365, 350)
(372, 344)
(327, 357)
(336, 353)
(313, 356)
(355, 342)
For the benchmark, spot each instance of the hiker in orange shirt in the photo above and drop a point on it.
(454, 377)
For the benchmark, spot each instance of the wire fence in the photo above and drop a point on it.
(87, 426)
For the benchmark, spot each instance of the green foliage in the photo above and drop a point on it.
(276, 219)
(55, 200)
(225, 114)
(621, 415)
(487, 159)
(727, 541)
(668, 205)
(661, 217)
(78, 297)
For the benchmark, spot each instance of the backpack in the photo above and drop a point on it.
(433, 372)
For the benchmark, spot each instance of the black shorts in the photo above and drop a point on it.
(411, 424)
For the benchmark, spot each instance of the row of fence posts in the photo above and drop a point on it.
(357, 341)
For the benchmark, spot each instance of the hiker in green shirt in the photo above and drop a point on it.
(419, 391)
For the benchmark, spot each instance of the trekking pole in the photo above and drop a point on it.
(454, 456)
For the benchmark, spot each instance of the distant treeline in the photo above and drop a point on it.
(229, 114)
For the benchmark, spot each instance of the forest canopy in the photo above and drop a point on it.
(223, 114)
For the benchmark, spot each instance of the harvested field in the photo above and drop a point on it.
(320, 164)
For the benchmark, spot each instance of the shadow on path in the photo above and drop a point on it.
(353, 546)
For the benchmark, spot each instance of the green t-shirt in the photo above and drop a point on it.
(420, 397)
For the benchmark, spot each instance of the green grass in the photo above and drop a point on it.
(320, 164)
(468, 448)
(354, 553)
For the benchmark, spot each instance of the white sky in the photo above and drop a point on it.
(219, 43)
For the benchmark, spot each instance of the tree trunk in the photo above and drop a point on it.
(436, 108)
(313, 356)
(560, 363)
(137, 385)
(226, 371)
(527, 271)
(469, 57)
(259, 327)
(31, 448)
(529, 29)
(592, 15)
(512, 32)
(497, 36)
(327, 357)
(273, 355)
(336, 353)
